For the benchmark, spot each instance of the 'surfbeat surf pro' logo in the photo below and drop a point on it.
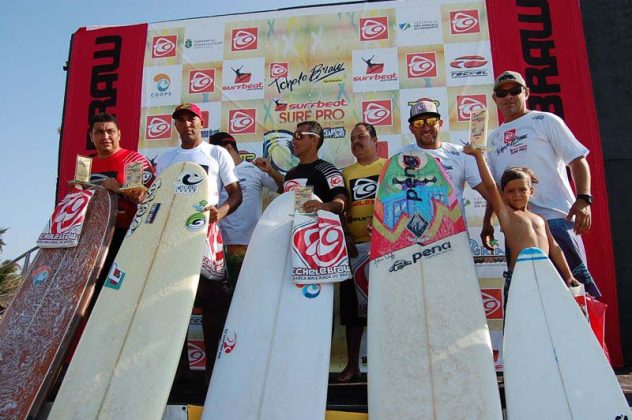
(421, 64)
(242, 121)
(158, 127)
(377, 112)
(69, 213)
(465, 22)
(244, 39)
(466, 104)
(202, 81)
(374, 28)
(164, 46)
(188, 182)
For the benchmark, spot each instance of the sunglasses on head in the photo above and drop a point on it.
(514, 91)
(431, 121)
(298, 135)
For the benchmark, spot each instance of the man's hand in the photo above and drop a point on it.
(583, 219)
(312, 206)
(572, 282)
(213, 214)
(487, 236)
(263, 164)
(111, 184)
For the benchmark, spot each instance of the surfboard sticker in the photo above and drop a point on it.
(115, 277)
(187, 183)
(63, 229)
(417, 204)
(144, 207)
(40, 275)
(319, 249)
(228, 343)
(196, 221)
(153, 211)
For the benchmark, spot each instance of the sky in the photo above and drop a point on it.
(34, 46)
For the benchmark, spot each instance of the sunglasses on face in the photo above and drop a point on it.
(298, 135)
(514, 91)
(430, 121)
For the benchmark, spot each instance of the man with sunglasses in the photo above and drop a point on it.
(425, 124)
(542, 142)
(326, 179)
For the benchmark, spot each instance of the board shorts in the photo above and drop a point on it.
(573, 249)
(354, 292)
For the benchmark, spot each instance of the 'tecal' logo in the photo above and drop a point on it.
(468, 62)
(164, 46)
(278, 70)
(202, 81)
(158, 127)
(421, 64)
(509, 136)
(373, 28)
(242, 121)
(245, 39)
(466, 104)
(321, 244)
(378, 112)
(465, 22)
(69, 213)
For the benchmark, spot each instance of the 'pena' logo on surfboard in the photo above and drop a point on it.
(115, 277)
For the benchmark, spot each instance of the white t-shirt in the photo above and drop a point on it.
(237, 227)
(542, 142)
(460, 167)
(215, 160)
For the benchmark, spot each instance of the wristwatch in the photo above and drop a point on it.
(586, 197)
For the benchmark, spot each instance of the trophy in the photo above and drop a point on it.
(134, 177)
(302, 194)
(478, 129)
(83, 170)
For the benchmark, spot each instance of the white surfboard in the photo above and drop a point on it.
(127, 357)
(554, 366)
(429, 350)
(273, 360)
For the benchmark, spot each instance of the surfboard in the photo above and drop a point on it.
(38, 325)
(273, 359)
(127, 357)
(554, 365)
(429, 350)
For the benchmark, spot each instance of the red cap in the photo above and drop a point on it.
(187, 106)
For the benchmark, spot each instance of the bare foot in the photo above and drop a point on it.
(348, 375)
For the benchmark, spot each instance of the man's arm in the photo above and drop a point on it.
(217, 213)
(336, 205)
(487, 230)
(265, 166)
(580, 172)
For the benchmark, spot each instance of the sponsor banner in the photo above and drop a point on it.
(243, 79)
(102, 62)
(544, 41)
(415, 23)
(162, 85)
(379, 71)
(202, 42)
(464, 22)
(65, 224)
(469, 63)
(319, 251)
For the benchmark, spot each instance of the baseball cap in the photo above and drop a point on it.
(509, 76)
(187, 106)
(423, 107)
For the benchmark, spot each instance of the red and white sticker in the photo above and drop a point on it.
(242, 121)
(245, 39)
(158, 127)
(202, 81)
(378, 112)
(164, 46)
(422, 64)
(466, 104)
(465, 22)
(374, 28)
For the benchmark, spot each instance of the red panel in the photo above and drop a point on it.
(104, 75)
(544, 40)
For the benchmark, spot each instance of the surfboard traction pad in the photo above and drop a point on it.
(417, 204)
(39, 324)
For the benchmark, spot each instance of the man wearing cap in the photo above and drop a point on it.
(237, 228)
(425, 124)
(542, 142)
(212, 296)
(215, 160)
(323, 176)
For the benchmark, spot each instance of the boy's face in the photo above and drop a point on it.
(517, 193)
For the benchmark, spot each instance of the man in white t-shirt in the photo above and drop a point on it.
(237, 228)
(425, 124)
(542, 142)
(212, 296)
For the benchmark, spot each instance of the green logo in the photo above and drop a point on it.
(196, 222)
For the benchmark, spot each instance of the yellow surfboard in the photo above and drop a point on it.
(127, 357)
